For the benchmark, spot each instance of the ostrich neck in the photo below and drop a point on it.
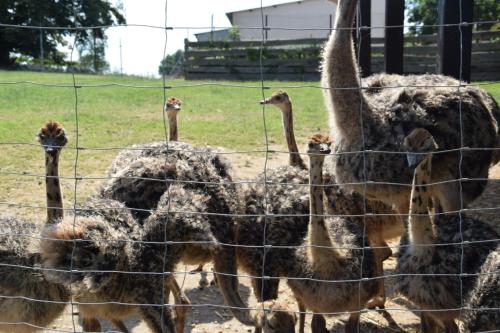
(320, 248)
(53, 187)
(420, 224)
(341, 75)
(295, 159)
(172, 122)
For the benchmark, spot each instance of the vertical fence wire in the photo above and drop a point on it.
(265, 278)
(167, 141)
(360, 35)
(75, 167)
(460, 162)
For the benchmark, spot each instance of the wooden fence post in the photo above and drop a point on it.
(455, 41)
(394, 37)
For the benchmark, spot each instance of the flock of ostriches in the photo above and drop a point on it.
(171, 202)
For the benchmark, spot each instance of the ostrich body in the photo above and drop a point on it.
(379, 122)
(141, 174)
(484, 299)
(428, 271)
(334, 251)
(29, 301)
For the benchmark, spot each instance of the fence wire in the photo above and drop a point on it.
(168, 88)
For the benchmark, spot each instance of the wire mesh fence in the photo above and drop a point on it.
(123, 243)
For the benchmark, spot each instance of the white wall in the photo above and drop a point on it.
(313, 15)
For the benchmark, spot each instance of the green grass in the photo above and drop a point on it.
(114, 116)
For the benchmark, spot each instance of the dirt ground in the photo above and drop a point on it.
(203, 318)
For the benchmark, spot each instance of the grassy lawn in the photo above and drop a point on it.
(116, 116)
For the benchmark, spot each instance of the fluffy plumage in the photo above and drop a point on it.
(27, 296)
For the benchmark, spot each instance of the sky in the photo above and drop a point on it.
(142, 48)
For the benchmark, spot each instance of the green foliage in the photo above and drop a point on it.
(234, 34)
(60, 13)
(171, 63)
(422, 13)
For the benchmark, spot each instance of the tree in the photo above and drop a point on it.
(171, 62)
(423, 13)
(25, 42)
(234, 34)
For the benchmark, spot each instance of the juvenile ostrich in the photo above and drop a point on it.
(334, 251)
(29, 301)
(172, 108)
(107, 212)
(292, 173)
(360, 121)
(284, 190)
(431, 255)
(484, 300)
(140, 174)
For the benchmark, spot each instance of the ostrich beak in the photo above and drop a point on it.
(325, 148)
(265, 101)
(414, 159)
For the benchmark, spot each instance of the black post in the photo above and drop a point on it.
(394, 37)
(455, 42)
(365, 37)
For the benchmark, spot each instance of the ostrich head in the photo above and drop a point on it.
(52, 137)
(173, 105)
(419, 145)
(319, 144)
(278, 98)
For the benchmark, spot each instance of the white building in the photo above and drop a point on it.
(305, 19)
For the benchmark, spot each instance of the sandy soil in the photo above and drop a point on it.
(204, 318)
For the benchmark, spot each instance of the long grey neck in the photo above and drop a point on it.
(341, 75)
(172, 122)
(320, 250)
(55, 210)
(295, 160)
(420, 223)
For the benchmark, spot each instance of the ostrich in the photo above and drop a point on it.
(482, 312)
(293, 172)
(29, 301)
(432, 257)
(362, 122)
(172, 108)
(107, 212)
(141, 174)
(334, 251)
